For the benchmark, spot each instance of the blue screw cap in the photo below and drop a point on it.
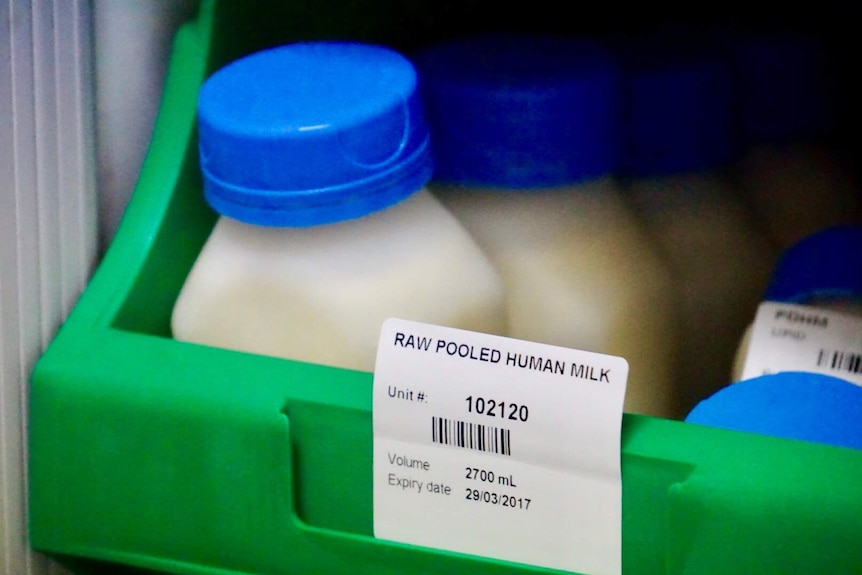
(676, 105)
(794, 405)
(312, 133)
(825, 264)
(520, 111)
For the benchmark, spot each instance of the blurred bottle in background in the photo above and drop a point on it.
(676, 114)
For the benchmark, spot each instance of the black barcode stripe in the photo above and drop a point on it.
(840, 360)
(468, 435)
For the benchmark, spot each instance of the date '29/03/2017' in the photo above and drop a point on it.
(492, 497)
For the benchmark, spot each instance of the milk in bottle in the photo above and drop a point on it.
(316, 155)
(526, 133)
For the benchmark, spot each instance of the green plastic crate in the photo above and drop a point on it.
(192, 460)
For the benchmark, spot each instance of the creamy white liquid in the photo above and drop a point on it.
(579, 273)
(721, 265)
(319, 294)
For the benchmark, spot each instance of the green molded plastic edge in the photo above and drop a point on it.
(187, 459)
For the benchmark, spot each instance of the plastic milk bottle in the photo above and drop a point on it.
(822, 273)
(798, 371)
(315, 155)
(676, 112)
(525, 130)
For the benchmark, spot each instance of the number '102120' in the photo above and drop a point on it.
(494, 408)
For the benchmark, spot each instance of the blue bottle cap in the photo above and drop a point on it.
(795, 405)
(783, 88)
(676, 105)
(312, 133)
(520, 111)
(826, 264)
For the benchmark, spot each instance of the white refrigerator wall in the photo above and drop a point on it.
(72, 73)
(47, 219)
(132, 46)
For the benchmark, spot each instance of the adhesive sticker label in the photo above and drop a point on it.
(789, 337)
(498, 447)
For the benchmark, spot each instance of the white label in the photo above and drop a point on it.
(498, 447)
(788, 337)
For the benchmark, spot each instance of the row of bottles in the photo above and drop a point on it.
(563, 190)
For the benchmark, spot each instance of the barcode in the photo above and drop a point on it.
(471, 435)
(840, 360)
